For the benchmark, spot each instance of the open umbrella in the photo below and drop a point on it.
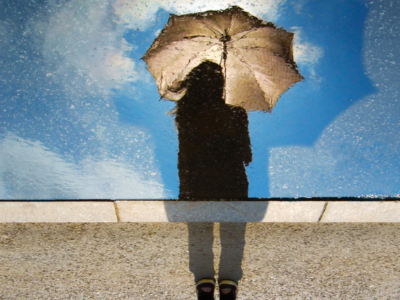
(255, 56)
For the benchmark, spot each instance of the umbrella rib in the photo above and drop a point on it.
(245, 35)
(249, 67)
(209, 28)
(192, 38)
(230, 24)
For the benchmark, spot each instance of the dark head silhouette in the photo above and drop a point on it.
(214, 142)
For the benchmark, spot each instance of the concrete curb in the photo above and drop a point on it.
(57, 212)
(199, 211)
(216, 211)
(385, 212)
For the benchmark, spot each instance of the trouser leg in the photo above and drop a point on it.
(232, 248)
(201, 256)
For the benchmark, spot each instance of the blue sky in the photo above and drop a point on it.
(81, 116)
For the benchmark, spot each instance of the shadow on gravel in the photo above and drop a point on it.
(201, 255)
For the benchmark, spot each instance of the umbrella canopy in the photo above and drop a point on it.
(255, 56)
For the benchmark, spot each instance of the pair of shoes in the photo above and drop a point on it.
(228, 290)
(205, 289)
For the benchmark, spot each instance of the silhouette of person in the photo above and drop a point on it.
(214, 142)
(214, 146)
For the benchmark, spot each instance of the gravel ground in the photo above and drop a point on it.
(150, 261)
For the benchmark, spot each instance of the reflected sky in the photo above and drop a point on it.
(81, 116)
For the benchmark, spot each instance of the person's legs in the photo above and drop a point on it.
(201, 258)
(232, 248)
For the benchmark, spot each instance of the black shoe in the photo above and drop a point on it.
(205, 289)
(228, 290)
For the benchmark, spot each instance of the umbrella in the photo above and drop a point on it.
(255, 56)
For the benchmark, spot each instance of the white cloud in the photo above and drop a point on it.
(301, 171)
(157, 32)
(307, 56)
(354, 156)
(92, 154)
(81, 36)
(139, 14)
(305, 53)
(29, 170)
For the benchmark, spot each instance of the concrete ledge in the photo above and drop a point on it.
(199, 211)
(224, 211)
(55, 212)
(362, 211)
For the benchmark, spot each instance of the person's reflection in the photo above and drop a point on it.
(214, 146)
(214, 142)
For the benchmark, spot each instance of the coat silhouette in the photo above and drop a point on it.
(214, 142)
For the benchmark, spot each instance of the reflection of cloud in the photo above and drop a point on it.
(299, 171)
(29, 170)
(82, 35)
(74, 56)
(353, 156)
(140, 14)
(305, 53)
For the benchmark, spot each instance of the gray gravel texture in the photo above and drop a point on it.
(150, 261)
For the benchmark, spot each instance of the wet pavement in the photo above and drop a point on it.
(151, 261)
